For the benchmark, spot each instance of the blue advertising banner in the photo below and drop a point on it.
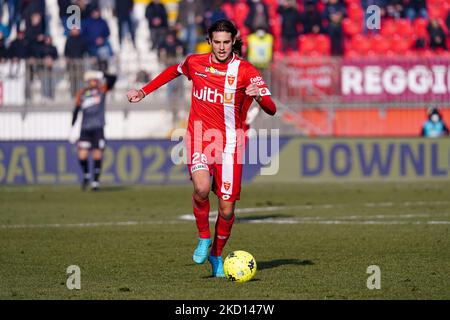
(124, 162)
(328, 159)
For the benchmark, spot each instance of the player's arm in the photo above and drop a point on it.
(265, 102)
(73, 134)
(77, 108)
(164, 77)
(110, 81)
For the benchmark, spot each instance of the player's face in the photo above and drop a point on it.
(93, 83)
(222, 46)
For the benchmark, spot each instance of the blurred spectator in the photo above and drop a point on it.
(96, 32)
(123, 10)
(189, 20)
(289, 26)
(258, 16)
(416, 9)
(3, 50)
(13, 13)
(34, 27)
(29, 9)
(156, 15)
(63, 15)
(85, 8)
(74, 51)
(48, 55)
(18, 49)
(171, 52)
(213, 13)
(395, 9)
(5, 30)
(437, 35)
(434, 126)
(336, 34)
(334, 7)
(311, 18)
(260, 50)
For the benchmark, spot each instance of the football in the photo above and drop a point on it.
(239, 266)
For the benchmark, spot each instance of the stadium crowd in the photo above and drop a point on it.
(305, 27)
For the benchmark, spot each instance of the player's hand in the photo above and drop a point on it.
(253, 91)
(134, 95)
(73, 135)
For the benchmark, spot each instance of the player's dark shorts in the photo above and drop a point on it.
(92, 139)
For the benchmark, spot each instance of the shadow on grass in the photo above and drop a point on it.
(282, 262)
(111, 189)
(262, 217)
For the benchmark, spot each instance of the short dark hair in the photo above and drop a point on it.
(224, 25)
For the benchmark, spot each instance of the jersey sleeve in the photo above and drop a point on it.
(78, 98)
(183, 68)
(254, 76)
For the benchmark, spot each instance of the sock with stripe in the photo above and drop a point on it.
(201, 213)
(223, 231)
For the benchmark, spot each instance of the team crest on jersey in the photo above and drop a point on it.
(227, 185)
(231, 79)
(215, 71)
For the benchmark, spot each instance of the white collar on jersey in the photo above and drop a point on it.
(232, 59)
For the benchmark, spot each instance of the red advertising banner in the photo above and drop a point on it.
(395, 80)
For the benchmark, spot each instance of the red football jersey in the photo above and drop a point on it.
(219, 101)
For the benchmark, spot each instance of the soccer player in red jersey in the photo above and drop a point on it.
(222, 85)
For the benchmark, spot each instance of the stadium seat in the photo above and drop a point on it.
(355, 12)
(351, 53)
(400, 45)
(403, 27)
(438, 10)
(228, 8)
(360, 44)
(275, 25)
(240, 13)
(315, 45)
(323, 44)
(379, 44)
(351, 27)
(306, 44)
(420, 27)
(389, 27)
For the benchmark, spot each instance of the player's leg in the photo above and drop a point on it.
(83, 155)
(98, 144)
(97, 155)
(227, 188)
(224, 224)
(84, 146)
(200, 201)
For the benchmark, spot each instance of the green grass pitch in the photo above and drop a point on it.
(310, 241)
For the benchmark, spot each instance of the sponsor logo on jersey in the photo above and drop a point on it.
(231, 79)
(264, 92)
(200, 166)
(215, 71)
(201, 74)
(212, 95)
(229, 98)
(258, 81)
(90, 101)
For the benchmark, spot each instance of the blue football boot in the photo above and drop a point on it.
(217, 266)
(201, 251)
